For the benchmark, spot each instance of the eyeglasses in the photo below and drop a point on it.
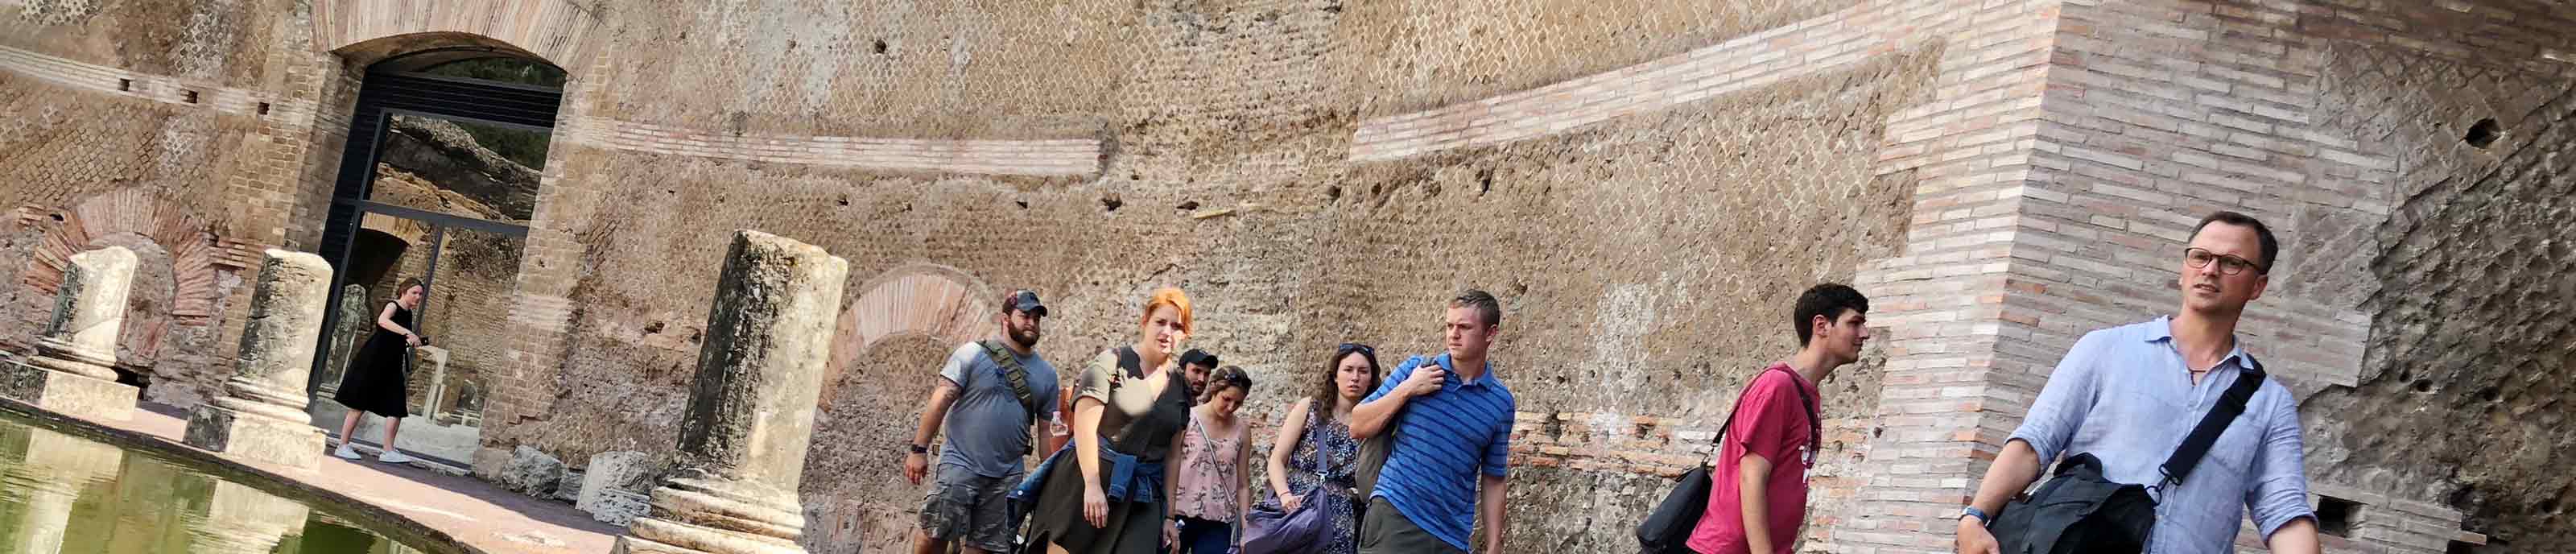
(2229, 265)
(1348, 347)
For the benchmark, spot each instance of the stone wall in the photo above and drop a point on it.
(1646, 185)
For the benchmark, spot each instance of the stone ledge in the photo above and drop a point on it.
(66, 393)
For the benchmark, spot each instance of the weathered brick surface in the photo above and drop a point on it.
(1646, 184)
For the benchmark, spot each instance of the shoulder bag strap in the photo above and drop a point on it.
(1718, 442)
(1013, 374)
(2230, 405)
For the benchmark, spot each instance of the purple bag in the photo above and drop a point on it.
(1268, 530)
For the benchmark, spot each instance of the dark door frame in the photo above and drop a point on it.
(382, 95)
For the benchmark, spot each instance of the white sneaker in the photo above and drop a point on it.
(346, 452)
(392, 456)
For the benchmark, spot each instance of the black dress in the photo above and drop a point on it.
(1135, 421)
(376, 381)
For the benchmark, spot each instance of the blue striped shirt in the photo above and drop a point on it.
(1443, 441)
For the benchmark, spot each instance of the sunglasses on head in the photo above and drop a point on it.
(1348, 347)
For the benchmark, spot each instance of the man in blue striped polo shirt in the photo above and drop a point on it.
(1452, 421)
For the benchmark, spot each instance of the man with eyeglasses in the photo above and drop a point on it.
(2129, 395)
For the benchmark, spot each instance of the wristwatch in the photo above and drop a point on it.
(919, 449)
(1982, 518)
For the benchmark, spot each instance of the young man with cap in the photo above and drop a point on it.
(1196, 365)
(2129, 395)
(995, 397)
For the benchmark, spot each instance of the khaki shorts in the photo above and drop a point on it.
(970, 509)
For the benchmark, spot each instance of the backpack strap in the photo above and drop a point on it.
(2205, 434)
(1815, 424)
(1013, 374)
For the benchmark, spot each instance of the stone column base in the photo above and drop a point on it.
(251, 437)
(67, 394)
(701, 540)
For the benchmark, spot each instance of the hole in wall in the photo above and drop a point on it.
(188, 96)
(1024, 204)
(125, 85)
(1110, 202)
(2335, 515)
(879, 47)
(263, 108)
(2483, 133)
(1188, 205)
(2490, 394)
(2423, 385)
(1333, 192)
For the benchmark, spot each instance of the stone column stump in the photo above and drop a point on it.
(260, 414)
(751, 406)
(72, 373)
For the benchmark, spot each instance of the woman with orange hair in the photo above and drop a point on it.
(1106, 493)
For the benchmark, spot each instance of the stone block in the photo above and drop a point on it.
(568, 489)
(66, 393)
(619, 471)
(254, 438)
(618, 508)
(531, 472)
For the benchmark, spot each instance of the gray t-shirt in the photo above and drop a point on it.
(987, 427)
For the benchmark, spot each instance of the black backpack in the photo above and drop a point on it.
(2081, 511)
(1668, 528)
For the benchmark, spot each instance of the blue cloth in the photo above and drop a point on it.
(1443, 441)
(988, 428)
(1199, 536)
(2124, 395)
(1126, 476)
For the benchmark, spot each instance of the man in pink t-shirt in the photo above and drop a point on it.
(1757, 496)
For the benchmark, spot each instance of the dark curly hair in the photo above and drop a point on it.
(1328, 392)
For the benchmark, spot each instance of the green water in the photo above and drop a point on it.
(61, 494)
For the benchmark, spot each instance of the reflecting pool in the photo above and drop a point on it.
(62, 494)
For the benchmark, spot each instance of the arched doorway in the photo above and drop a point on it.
(437, 183)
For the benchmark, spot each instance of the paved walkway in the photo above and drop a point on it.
(477, 514)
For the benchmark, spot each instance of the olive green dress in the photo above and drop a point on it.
(1137, 422)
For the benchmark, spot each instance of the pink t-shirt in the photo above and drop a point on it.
(1772, 421)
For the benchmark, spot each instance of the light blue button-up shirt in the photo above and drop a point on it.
(2124, 395)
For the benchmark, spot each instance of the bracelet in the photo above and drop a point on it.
(1982, 519)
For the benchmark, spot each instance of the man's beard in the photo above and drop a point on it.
(1027, 339)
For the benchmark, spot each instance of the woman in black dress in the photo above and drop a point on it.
(1132, 406)
(376, 382)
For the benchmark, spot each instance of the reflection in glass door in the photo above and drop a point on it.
(444, 199)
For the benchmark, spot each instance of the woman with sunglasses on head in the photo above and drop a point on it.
(1210, 497)
(1106, 492)
(1320, 423)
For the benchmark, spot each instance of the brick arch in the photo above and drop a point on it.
(201, 263)
(558, 31)
(914, 300)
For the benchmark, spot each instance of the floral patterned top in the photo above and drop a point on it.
(1210, 472)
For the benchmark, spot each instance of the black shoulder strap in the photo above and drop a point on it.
(2230, 405)
(1815, 424)
(1128, 360)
